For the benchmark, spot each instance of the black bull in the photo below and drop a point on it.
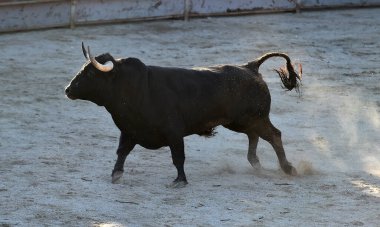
(158, 106)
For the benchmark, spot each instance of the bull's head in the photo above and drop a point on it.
(90, 82)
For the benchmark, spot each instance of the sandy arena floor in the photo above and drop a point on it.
(56, 155)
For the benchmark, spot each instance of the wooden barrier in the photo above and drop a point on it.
(39, 14)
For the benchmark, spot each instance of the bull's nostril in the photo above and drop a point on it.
(68, 93)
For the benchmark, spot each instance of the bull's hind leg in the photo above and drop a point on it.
(268, 132)
(253, 140)
(251, 156)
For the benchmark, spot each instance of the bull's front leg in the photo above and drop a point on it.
(178, 155)
(125, 147)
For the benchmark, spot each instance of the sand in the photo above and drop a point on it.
(56, 155)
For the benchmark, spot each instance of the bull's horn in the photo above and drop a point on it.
(85, 52)
(108, 66)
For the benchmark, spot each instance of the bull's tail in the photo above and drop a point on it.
(289, 77)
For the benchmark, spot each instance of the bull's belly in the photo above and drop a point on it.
(154, 139)
(149, 139)
(205, 128)
(152, 146)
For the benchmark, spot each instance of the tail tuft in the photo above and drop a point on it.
(208, 133)
(289, 77)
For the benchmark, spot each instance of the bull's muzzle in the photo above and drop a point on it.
(68, 93)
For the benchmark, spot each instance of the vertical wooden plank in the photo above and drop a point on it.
(227, 6)
(34, 16)
(312, 4)
(72, 13)
(92, 11)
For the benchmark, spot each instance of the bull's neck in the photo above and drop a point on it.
(125, 96)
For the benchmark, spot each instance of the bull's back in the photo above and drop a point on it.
(200, 99)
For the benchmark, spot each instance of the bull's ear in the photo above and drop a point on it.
(104, 62)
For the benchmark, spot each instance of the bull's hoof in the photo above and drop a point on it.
(116, 176)
(255, 164)
(177, 184)
(293, 172)
(290, 170)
